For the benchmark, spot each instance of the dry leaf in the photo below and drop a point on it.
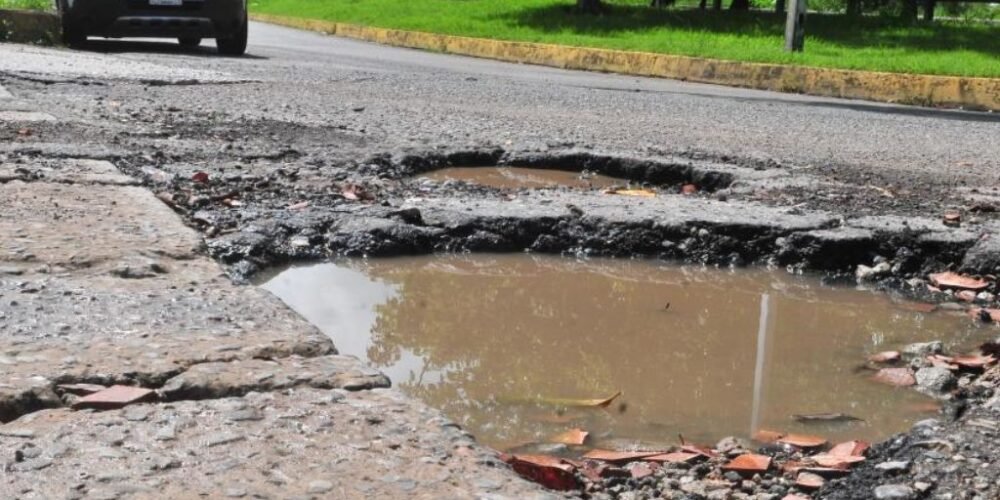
(749, 464)
(620, 456)
(674, 458)
(884, 357)
(582, 403)
(899, 377)
(835, 461)
(803, 441)
(551, 472)
(201, 177)
(644, 193)
(574, 436)
(809, 481)
(850, 449)
(766, 436)
(689, 189)
(954, 280)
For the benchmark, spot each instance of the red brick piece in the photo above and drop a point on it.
(113, 397)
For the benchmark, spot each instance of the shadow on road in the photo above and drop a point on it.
(158, 46)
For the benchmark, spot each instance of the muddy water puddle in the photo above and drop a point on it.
(523, 178)
(499, 343)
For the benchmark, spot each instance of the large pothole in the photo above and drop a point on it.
(504, 344)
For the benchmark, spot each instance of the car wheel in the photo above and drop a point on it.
(73, 34)
(189, 41)
(235, 46)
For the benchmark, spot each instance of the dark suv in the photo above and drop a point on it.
(187, 20)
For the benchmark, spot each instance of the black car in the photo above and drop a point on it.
(187, 20)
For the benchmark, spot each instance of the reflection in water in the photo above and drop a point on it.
(484, 338)
(523, 178)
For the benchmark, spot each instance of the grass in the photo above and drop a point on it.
(833, 41)
(27, 4)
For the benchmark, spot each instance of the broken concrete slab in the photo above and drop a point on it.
(239, 377)
(74, 171)
(374, 444)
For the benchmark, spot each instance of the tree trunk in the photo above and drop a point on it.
(779, 6)
(703, 4)
(588, 6)
(716, 4)
(909, 10)
(739, 5)
(929, 10)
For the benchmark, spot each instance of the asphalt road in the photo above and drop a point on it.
(412, 100)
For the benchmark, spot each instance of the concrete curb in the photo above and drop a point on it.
(981, 94)
(26, 26)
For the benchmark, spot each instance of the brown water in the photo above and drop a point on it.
(485, 338)
(527, 178)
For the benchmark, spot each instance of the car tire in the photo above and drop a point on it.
(189, 41)
(236, 45)
(73, 34)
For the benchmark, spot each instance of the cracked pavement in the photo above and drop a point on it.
(102, 282)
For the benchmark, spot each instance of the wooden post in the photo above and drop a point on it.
(795, 26)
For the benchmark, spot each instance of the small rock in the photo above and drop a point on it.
(319, 486)
(894, 466)
(224, 439)
(921, 349)
(935, 379)
(894, 492)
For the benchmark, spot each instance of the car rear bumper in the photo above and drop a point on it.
(137, 18)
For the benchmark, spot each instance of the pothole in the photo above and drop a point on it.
(523, 178)
(506, 344)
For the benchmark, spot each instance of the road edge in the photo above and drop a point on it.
(27, 26)
(980, 94)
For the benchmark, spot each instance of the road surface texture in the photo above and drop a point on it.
(127, 168)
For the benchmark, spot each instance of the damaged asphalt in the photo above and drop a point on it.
(140, 180)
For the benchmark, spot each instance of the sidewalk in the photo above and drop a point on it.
(101, 283)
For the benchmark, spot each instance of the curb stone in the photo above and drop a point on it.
(23, 26)
(970, 93)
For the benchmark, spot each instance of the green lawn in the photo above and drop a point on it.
(27, 4)
(872, 43)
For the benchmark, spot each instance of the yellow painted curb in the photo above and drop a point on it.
(924, 90)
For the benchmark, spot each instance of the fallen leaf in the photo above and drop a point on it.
(766, 436)
(298, 206)
(809, 481)
(582, 403)
(941, 361)
(24, 132)
(619, 456)
(899, 377)
(793, 496)
(836, 461)
(114, 397)
(201, 177)
(229, 202)
(644, 193)
(551, 472)
(689, 189)
(574, 436)
(749, 464)
(952, 218)
(973, 361)
(639, 470)
(701, 450)
(850, 448)
(803, 441)
(826, 417)
(966, 296)
(674, 457)
(884, 357)
(954, 280)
